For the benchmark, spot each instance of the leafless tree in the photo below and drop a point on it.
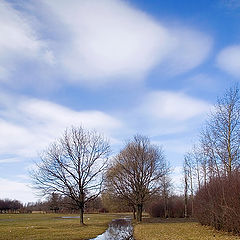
(217, 198)
(220, 139)
(166, 185)
(185, 174)
(188, 170)
(73, 166)
(136, 172)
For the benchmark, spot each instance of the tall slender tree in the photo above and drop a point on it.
(220, 139)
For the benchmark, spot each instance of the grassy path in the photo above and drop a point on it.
(178, 229)
(51, 226)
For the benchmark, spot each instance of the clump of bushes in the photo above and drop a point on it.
(173, 207)
(218, 203)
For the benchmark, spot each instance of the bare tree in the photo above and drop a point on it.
(217, 199)
(220, 139)
(73, 166)
(166, 185)
(188, 169)
(185, 173)
(136, 172)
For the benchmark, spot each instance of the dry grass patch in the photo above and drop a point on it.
(51, 226)
(177, 229)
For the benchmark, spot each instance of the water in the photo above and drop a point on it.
(119, 229)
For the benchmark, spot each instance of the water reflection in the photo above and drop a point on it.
(119, 229)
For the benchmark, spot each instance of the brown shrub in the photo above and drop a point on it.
(218, 203)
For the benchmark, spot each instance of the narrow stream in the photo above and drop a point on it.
(119, 229)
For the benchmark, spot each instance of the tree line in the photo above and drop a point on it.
(211, 168)
(10, 206)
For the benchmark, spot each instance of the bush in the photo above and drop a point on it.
(156, 209)
(218, 203)
(175, 207)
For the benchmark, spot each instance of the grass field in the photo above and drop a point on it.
(178, 229)
(51, 226)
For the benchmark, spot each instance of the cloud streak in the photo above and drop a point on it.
(111, 39)
(18, 41)
(31, 124)
(173, 106)
(99, 42)
(229, 60)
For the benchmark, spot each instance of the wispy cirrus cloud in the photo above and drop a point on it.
(112, 39)
(27, 125)
(99, 42)
(19, 41)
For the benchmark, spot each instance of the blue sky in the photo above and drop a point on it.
(121, 67)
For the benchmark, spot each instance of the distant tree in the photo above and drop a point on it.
(7, 206)
(166, 185)
(188, 169)
(136, 172)
(186, 186)
(54, 202)
(73, 166)
(115, 203)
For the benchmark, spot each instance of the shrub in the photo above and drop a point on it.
(218, 203)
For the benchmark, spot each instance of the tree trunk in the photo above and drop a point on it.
(165, 206)
(81, 216)
(134, 212)
(139, 212)
(185, 197)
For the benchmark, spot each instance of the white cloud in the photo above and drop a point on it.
(16, 190)
(98, 42)
(110, 39)
(173, 106)
(229, 60)
(189, 49)
(9, 160)
(31, 124)
(16, 34)
(18, 41)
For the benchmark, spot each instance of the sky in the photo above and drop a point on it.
(122, 67)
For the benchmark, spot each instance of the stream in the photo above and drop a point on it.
(119, 229)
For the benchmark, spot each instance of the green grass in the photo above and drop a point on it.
(51, 226)
(178, 229)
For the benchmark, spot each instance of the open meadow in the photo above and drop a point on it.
(51, 226)
(177, 229)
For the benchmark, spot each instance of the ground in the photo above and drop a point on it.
(51, 226)
(177, 229)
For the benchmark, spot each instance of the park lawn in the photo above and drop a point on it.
(51, 226)
(177, 229)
